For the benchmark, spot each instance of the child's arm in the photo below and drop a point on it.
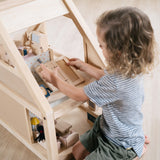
(91, 70)
(71, 91)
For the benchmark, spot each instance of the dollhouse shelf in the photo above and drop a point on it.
(65, 107)
(76, 117)
(68, 104)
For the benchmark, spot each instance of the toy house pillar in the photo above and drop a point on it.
(90, 45)
(19, 94)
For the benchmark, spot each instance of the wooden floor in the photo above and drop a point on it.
(12, 149)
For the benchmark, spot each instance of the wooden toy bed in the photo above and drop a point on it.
(20, 93)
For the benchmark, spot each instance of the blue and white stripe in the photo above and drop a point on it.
(121, 100)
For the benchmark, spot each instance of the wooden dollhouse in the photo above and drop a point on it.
(20, 93)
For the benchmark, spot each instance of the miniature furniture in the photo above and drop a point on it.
(66, 73)
(20, 93)
(65, 135)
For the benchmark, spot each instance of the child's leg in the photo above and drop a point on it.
(147, 141)
(88, 142)
(107, 150)
(143, 152)
(79, 151)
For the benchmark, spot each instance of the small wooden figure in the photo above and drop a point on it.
(24, 50)
(41, 136)
(46, 91)
(34, 122)
(37, 128)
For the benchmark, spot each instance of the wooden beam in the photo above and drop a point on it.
(32, 13)
(50, 136)
(20, 100)
(85, 32)
(6, 4)
(35, 148)
(22, 69)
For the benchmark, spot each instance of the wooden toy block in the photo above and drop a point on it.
(36, 38)
(64, 133)
(62, 127)
(70, 72)
(69, 139)
(39, 28)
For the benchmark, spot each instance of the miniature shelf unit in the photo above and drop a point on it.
(20, 93)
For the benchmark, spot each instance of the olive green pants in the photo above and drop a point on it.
(101, 148)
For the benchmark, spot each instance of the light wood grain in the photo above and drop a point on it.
(5, 4)
(11, 148)
(23, 16)
(90, 10)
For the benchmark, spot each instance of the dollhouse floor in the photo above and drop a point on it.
(12, 149)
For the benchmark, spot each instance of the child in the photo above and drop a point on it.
(125, 36)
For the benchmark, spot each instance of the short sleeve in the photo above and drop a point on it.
(103, 91)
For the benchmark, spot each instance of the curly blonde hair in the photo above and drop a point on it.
(129, 37)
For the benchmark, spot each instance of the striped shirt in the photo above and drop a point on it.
(121, 100)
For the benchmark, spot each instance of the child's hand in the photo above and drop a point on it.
(77, 63)
(47, 74)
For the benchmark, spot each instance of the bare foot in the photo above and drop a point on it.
(144, 147)
(143, 152)
(146, 140)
